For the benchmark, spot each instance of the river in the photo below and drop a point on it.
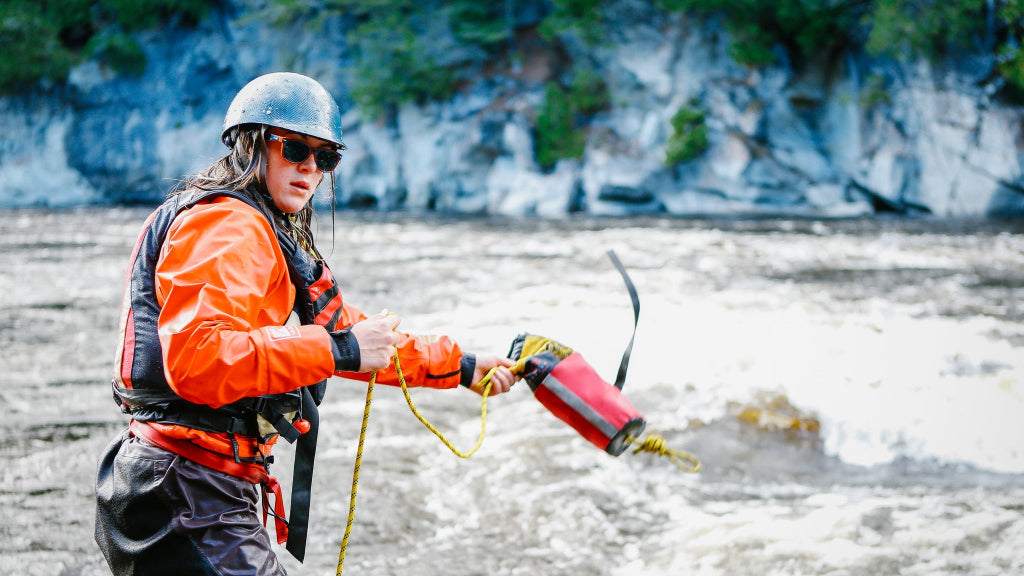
(853, 388)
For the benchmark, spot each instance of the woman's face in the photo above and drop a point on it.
(291, 185)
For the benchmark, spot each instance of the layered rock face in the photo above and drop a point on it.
(844, 136)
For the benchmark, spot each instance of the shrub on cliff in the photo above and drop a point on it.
(30, 46)
(395, 65)
(924, 28)
(936, 28)
(588, 92)
(929, 29)
(1011, 56)
(44, 39)
(557, 136)
(581, 17)
(805, 27)
(689, 137)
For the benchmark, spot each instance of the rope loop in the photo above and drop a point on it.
(362, 440)
(655, 444)
(429, 426)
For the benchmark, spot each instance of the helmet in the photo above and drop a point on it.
(285, 100)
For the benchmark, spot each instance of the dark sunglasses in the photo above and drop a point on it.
(296, 152)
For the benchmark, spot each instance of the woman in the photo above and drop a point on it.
(230, 326)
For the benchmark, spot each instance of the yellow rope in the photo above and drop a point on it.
(483, 414)
(355, 473)
(655, 444)
(485, 382)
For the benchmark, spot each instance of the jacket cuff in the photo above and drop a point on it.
(468, 367)
(345, 349)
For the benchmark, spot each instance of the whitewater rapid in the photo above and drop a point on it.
(853, 389)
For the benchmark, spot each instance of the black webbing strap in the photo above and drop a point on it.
(302, 479)
(279, 421)
(620, 379)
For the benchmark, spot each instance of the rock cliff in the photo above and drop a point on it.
(843, 136)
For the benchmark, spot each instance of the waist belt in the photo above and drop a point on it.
(252, 472)
(236, 418)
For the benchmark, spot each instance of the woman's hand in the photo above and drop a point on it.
(377, 340)
(502, 380)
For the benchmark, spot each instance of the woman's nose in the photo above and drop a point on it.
(309, 164)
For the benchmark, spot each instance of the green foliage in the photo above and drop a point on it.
(120, 51)
(43, 39)
(1011, 66)
(805, 27)
(923, 27)
(393, 66)
(899, 28)
(399, 60)
(567, 16)
(66, 13)
(29, 44)
(1011, 56)
(874, 91)
(932, 28)
(395, 59)
(689, 137)
(141, 14)
(753, 44)
(588, 92)
(1011, 10)
(480, 22)
(557, 135)
(396, 63)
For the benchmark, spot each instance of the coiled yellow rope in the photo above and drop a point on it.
(655, 444)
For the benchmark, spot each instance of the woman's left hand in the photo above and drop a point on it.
(502, 380)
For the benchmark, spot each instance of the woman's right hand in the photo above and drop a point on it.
(377, 340)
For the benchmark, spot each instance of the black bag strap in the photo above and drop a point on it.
(302, 478)
(620, 379)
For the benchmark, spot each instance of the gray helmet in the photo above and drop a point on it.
(286, 100)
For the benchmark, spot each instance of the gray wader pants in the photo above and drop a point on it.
(159, 513)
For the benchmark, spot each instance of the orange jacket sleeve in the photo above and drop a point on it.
(225, 293)
(430, 361)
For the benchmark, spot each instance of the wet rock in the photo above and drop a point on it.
(912, 136)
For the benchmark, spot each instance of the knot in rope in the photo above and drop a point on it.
(655, 444)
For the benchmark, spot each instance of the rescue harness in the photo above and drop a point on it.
(141, 389)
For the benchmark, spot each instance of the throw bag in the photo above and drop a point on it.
(573, 391)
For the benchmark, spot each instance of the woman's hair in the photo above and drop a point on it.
(244, 169)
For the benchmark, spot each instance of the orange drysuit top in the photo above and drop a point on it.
(223, 286)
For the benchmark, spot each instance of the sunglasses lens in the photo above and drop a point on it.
(294, 151)
(327, 160)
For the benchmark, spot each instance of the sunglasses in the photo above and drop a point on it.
(296, 152)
